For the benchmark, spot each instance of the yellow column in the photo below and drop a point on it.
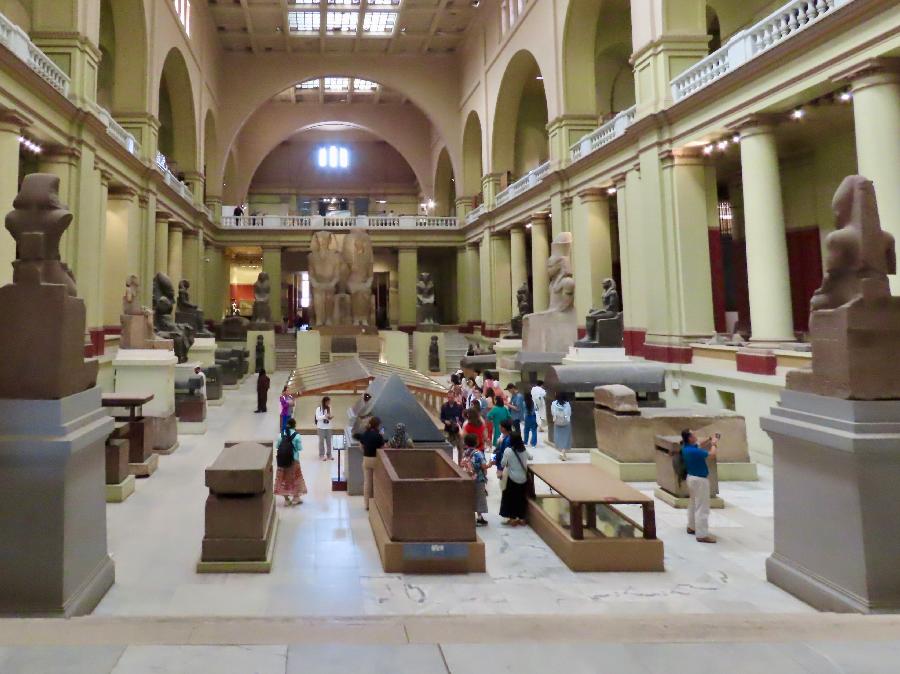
(592, 249)
(876, 112)
(518, 264)
(121, 249)
(501, 292)
(11, 125)
(463, 304)
(487, 278)
(635, 297)
(214, 204)
(473, 283)
(161, 244)
(272, 266)
(200, 289)
(490, 187)
(90, 234)
(540, 253)
(407, 275)
(175, 268)
(768, 277)
(216, 286)
(147, 240)
(463, 206)
(64, 163)
(190, 264)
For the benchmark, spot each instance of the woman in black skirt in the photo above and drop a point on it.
(514, 502)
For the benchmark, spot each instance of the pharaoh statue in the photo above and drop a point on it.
(523, 303)
(356, 253)
(42, 362)
(188, 313)
(556, 329)
(434, 355)
(137, 321)
(182, 335)
(854, 325)
(426, 312)
(262, 310)
(605, 327)
(260, 353)
(325, 267)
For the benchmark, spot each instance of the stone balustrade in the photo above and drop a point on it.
(314, 222)
(523, 184)
(611, 130)
(162, 164)
(475, 213)
(17, 41)
(117, 131)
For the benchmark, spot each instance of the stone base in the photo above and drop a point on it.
(145, 469)
(203, 351)
(218, 402)
(549, 331)
(164, 431)
(245, 553)
(192, 427)
(309, 348)
(836, 470)
(681, 502)
(269, 341)
(581, 355)
(646, 472)
(116, 493)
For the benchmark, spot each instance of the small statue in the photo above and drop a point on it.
(523, 302)
(260, 353)
(184, 299)
(182, 335)
(425, 304)
(434, 356)
(188, 313)
(262, 310)
(604, 326)
(131, 303)
(555, 329)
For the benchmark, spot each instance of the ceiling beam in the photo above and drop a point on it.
(435, 22)
(248, 19)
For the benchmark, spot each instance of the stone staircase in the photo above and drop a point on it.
(455, 346)
(285, 352)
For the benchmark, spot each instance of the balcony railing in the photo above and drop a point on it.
(613, 129)
(309, 222)
(475, 213)
(17, 41)
(523, 184)
(162, 164)
(780, 25)
(114, 129)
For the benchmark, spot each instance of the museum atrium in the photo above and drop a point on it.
(652, 216)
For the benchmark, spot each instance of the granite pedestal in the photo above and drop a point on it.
(190, 403)
(269, 342)
(119, 480)
(669, 488)
(151, 371)
(53, 503)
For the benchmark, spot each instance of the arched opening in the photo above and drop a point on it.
(613, 75)
(713, 29)
(20, 12)
(177, 131)
(210, 153)
(724, 18)
(444, 187)
(521, 141)
(230, 181)
(122, 72)
(472, 158)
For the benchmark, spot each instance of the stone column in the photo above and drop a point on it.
(768, 275)
(190, 264)
(473, 281)
(121, 248)
(490, 187)
(195, 181)
(463, 303)
(501, 286)
(272, 266)
(147, 236)
(11, 125)
(463, 207)
(591, 250)
(176, 259)
(90, 238)
(407, 275)
(214, 204)
(518, 264)
(636, 297)
(200, 288)
(540, 253)
(565, 131)
(64, 162)
(161, 244)
(876, 113)
(487, 278)
(216, 286)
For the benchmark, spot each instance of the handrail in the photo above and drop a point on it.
(605, 134)
(372, 222)
(475, 213)
(782, 24)
(523, 184)
(17, 41)
(117, 131)
(162, 164)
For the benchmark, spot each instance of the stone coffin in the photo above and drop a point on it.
(669, 488)
(485, 361)
(240, 519)
(213, 383)
(423, 496)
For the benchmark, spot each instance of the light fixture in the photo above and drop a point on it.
(722, 144)
(381, 201)
(846, 96)
(528, 226)
(708, 149)
(540, 78)
(30, 145)
(797, 113)
(736, 138)
(431, 203)
(611, 190)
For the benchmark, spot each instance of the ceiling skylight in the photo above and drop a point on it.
(309, 84)
(303, 22)
(364, 86)
(342, 21)
(383, 3)
(379, 22)
(337, 84)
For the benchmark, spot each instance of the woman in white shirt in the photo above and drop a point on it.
(561, 414)
(323, 428)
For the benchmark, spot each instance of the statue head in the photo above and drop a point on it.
(184, 284)
(609, 284)
(263, 277)
(322, 240)
(844, 198)
(132, 283)
(162, 287)
(259, 339)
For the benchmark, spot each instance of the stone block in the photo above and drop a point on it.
(616, 397)
(244, 468)
(116, 460)
(238, 516)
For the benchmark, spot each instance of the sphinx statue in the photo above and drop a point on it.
(605, 328)
(262, 310)
(556, 329)
(189, 313)
(426, 311)
(182, 335)
(325, 270)
(41, 361)
(356, 253)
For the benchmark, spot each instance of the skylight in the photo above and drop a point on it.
(333, 156)
(364, 86)
(346, 3)
(384, 3)
(309, 84)
(342, 21)
(337, 84)
(304, 22)
(379, 22)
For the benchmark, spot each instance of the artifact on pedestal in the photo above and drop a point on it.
(523, 302)
(182, 335)
(426, 311)
(604, 326)
(52, 426)
(260, 353)
(358, 274)
(137, 321)
(556, 329)
(262, 310)
(434, 356)
(836, 433)
(325, 265)
(188, 313)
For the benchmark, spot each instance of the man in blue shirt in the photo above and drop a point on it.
(516, 407)
(694, 453)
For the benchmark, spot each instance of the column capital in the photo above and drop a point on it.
(120, 191)
(684, 156)
(105, 176)
(272, 249)
(163, 216)
(13, 121)
(540, 217)
(55, 152)
(175, 226)
(188, 233)
(143, 199)
(618, 181)
(592, 194)
(870, 72)
(756, 124)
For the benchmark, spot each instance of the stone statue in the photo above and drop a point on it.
(434, 356)
(262, 310)
(358, 259)
(854, 326)
(556, 329)
(325, 269)
(137, 321)
(188, 313)
(605, 327)
(182, 335)
(260, 353)
(42, 361)
(523, 302)
(426, 312)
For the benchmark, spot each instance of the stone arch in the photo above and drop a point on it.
(230, 179)
(210, 152)
(178, 126)
(20, 12)
(122, 74)
(733, 15)
(520, 138)
(472, 162)
(444, 186)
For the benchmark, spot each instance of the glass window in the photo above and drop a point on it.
(183, 10)
(342, 21)
(304, 289)
(337, 84)
(343, 157)
(323, 157)
(333, 157)
(304, 22)
(380, 22)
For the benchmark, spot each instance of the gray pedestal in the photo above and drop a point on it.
(837, 469)
(54, 559)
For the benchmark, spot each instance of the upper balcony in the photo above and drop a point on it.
(523, 184)
(162, 165)
(607, 133)
(17, 41)
(313, 222)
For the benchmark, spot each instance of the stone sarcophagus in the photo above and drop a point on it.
(240, 511)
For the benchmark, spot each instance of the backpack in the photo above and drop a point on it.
(285, 455)
(680, 466)
(559, 416)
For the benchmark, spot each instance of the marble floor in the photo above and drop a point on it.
(326, 562)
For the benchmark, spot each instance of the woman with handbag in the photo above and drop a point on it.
(514, 501)
(561, 413)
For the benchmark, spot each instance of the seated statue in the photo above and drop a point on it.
(523, 302)
(426, 313)
(188, 313)
(262, 310)
(604, 326)
(555, 329)
(182, 335)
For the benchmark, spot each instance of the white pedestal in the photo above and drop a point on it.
(204, 351)
(269, 341)
(151, 371)
(53, 504)
(582, 356)
(394, 347)
(309, 348)
(421, 346)
(506, 350)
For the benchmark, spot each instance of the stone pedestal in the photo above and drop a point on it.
(421, 345)
(395, 347)
(203, 351)
(269, 341)
(151, 371)
(581, 355)
(836, 468)
(309, 348)
(189, 408)
(549, 331)
(505, 351)
(53, 527)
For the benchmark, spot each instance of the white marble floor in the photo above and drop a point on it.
(326, 563)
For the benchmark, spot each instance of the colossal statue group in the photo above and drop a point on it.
(341, 274)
